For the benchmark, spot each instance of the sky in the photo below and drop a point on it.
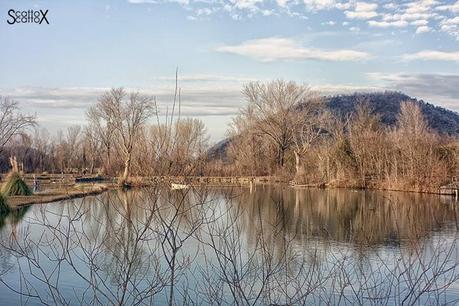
(58, 70)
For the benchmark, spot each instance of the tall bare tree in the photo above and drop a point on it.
(310, 124)
(102, 128)
(12, 122)
(126, 113)
(92, 145)
(273, 107)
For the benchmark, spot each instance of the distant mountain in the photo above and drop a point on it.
(386, 104)
(219, 150)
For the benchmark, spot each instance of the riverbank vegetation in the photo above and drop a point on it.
(284, 130)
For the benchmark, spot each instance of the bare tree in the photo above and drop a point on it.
(92, 146)
(417, 148)
(102, 128)
(12, 122)
(310, 124)
(273, 107)
(73, 143)
(126, 114)
(365, 132)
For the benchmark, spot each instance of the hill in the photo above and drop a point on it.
(387, 105)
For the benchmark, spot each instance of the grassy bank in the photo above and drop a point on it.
(54, 195)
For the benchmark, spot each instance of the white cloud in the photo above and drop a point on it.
(452, 7)
(343, 5)
(420, 22)
(388, 24)
(433, 56)
(423, 29)
(219, 98)
(271, 49)
(181, 2)
(450, 26)
(208, 78)
(282, 3)
(142, 1)
(452, 21)
(319, 4)
(360, 15)
(390, 6)
(362, 10)
(335, 89)
(415, 15)
(246, 4)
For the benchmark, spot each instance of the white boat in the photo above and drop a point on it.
(175, 186)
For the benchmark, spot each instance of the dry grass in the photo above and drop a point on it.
(57, 195)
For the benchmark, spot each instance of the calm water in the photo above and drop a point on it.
(270, 245)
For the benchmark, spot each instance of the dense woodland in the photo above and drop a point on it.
(377, 140)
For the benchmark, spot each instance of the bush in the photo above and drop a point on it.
(15, 186)
(4, 207)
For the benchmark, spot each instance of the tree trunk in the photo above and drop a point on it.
(127, 168)
(281, 157)
(107, 162)
(298, 164)
(91, 168)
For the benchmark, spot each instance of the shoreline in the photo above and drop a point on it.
(82, 190)
(56, 195)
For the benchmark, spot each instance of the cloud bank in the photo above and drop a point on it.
(439, 89)
(273, 48)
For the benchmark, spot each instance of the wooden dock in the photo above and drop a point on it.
(213, 180)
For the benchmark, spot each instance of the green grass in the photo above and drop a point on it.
(15, 186)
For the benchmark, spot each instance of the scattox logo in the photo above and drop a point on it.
(29, 16)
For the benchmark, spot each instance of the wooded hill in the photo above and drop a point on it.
(385, 104)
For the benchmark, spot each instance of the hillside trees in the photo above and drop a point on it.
(311, 123)
(366, 136)
(272, 108)
(248, 150)
(290, 127)
(279, 116)
(418, 161)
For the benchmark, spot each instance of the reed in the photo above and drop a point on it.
(15, 186)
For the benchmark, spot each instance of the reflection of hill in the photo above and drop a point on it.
(360, 217)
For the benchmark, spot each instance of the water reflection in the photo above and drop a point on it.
(271, 245)
(365, 218)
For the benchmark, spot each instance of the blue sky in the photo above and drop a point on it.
(58, 70)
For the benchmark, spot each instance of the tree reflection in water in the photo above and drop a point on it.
(274, 245)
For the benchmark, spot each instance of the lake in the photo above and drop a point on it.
(270, 245)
